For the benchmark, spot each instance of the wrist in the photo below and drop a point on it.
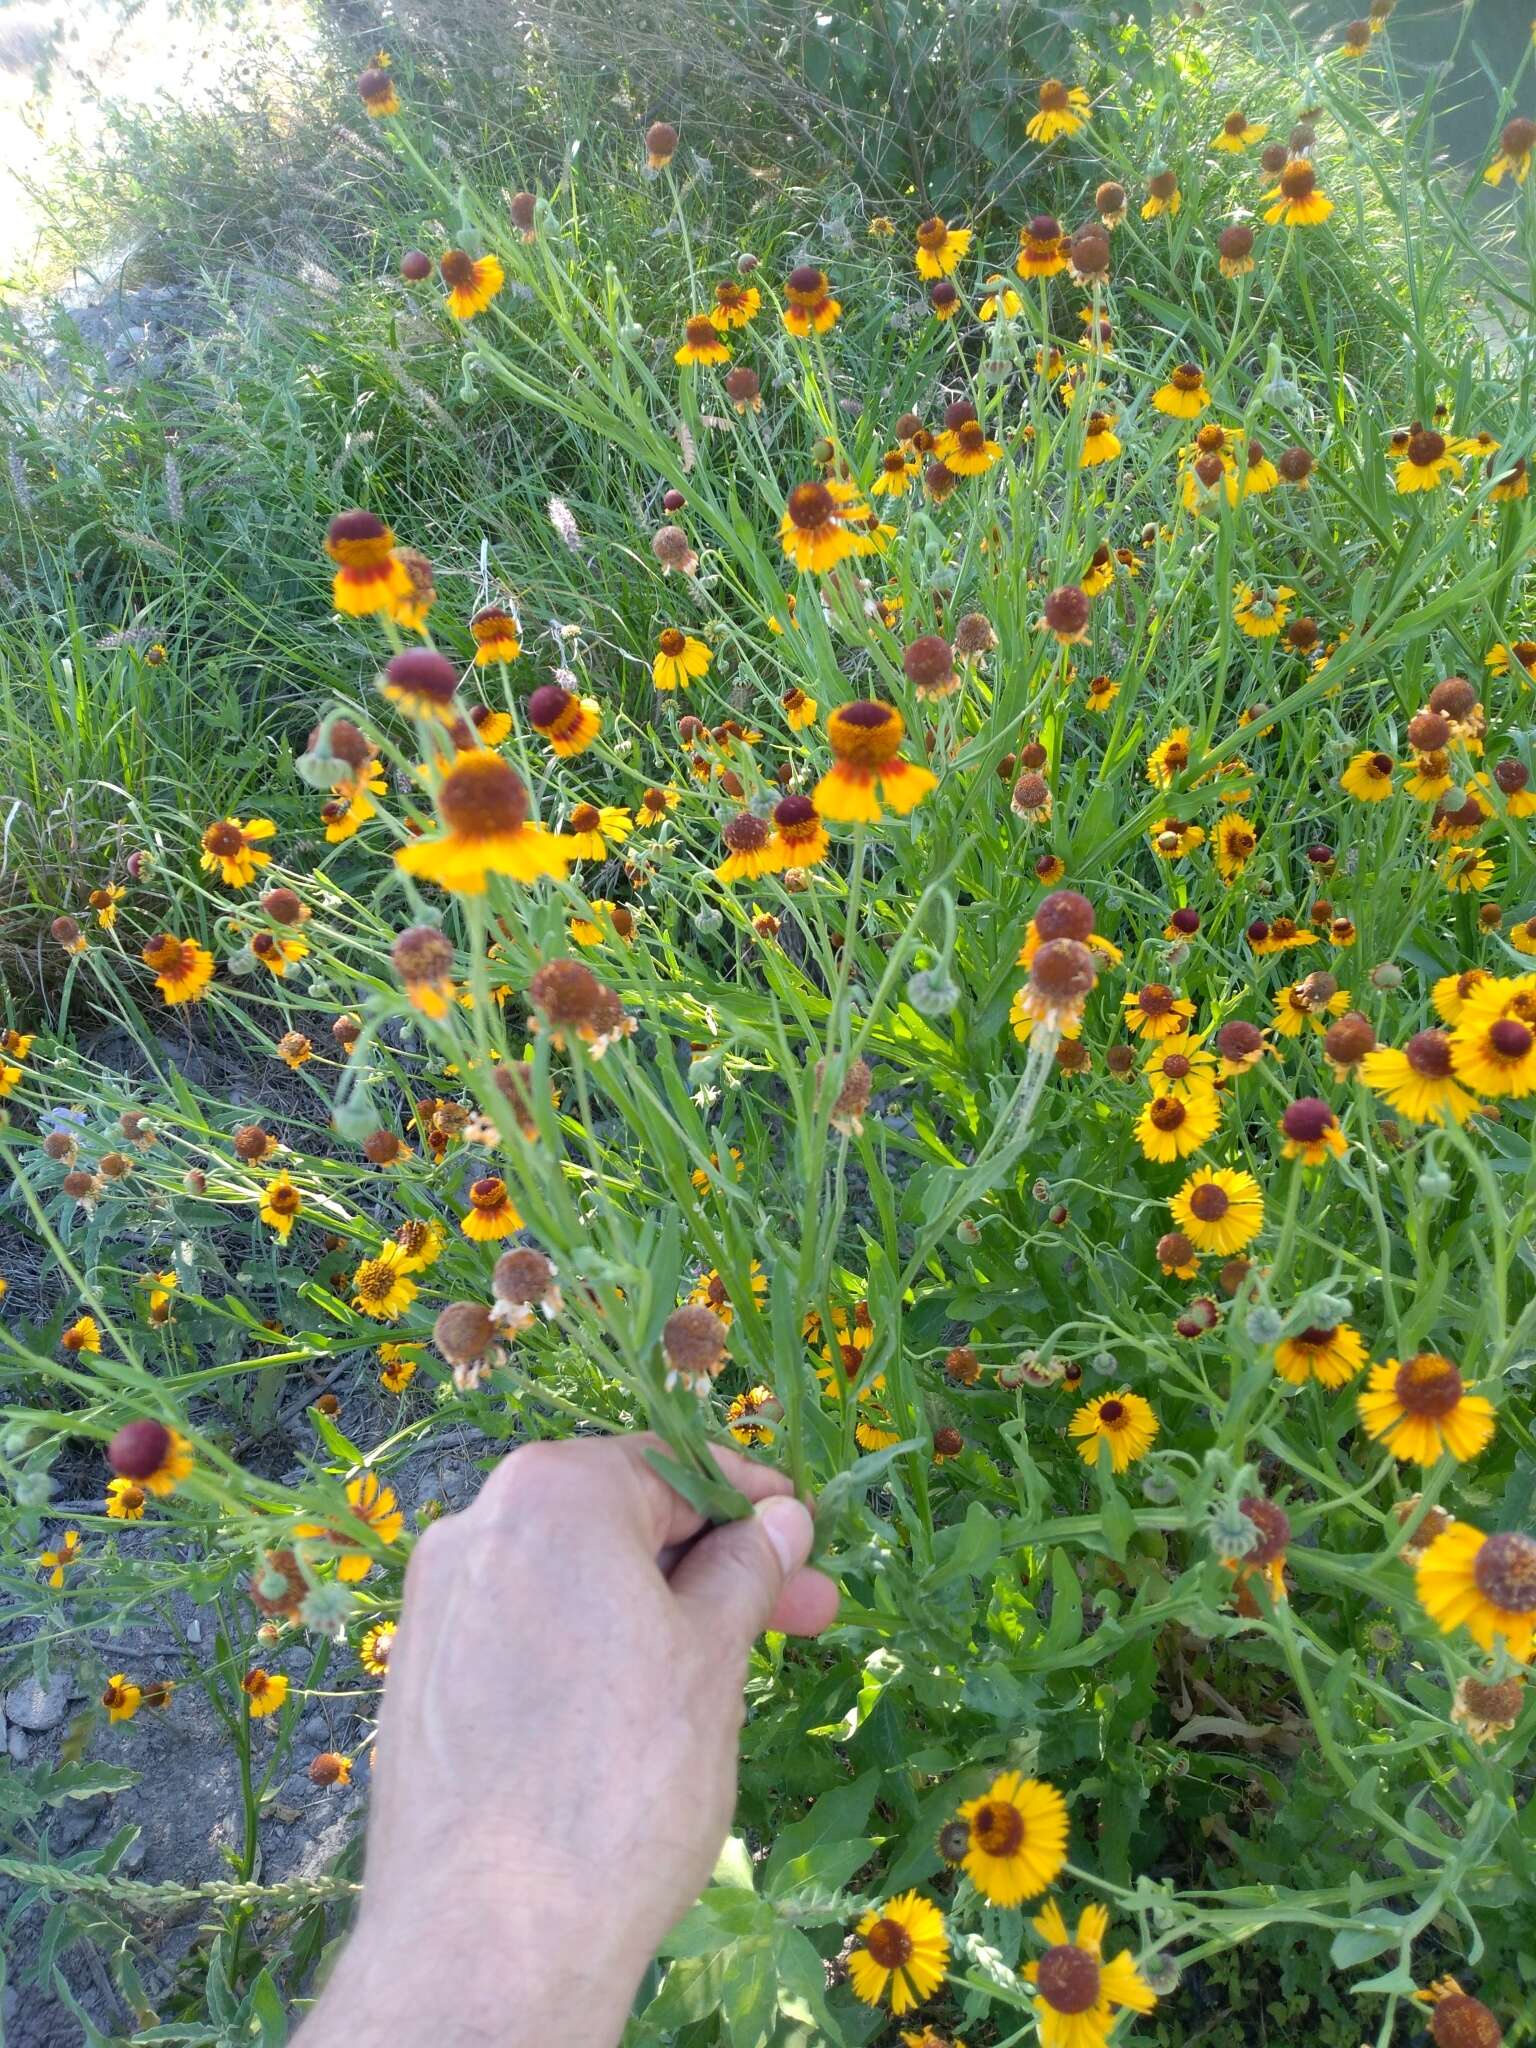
(426, 1978)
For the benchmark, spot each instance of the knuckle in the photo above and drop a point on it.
(534, 1474)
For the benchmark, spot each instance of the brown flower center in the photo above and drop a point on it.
(482, 797)
(1428, 1385)
(1209, 1202)
(1425, 447)
(1510, 1039)
(1298, 180)
(1429, 1055)
(889, 1944)
(1168, 1113)
(1273, 1525)
(811, 507)
(458, 269)
(1068, 1977)
(1505, 1571)
(865, 733)
(997, 1828)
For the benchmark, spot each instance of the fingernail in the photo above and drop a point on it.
(787, 1524)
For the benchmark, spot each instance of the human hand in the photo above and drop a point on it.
(556, 1762)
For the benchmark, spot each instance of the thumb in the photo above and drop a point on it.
(734, 1577)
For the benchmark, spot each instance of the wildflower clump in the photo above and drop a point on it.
(933, 883)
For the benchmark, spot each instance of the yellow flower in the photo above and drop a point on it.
(811, 308)
(1421, 1409)
(57, 1562)
(1100, 442)
(1184, 396)
(899, 470)
(1328, 1355)
(1016, 1838)
(1419, 1082)
(1426, 462)
(1063, 111)
(1239, 133)
(484, 809)
(940, 247)
(370, 577)
(900, 1952)
(472, 282)
(750, 1417)
(709, 1291)
(1236, 843)
(1172, 1126)
(1261, 614)
(736, 304)
(1298, 203)
(1154, 1011)
(265, 1692)
(374, 1505)
(1219, 1209)
(679, 660)
(1513, 160)
(1485, 1584)
(230, 853)
(815, 531)
(1368, 778)
(381, 1288)
(121, 1699)
(702, 342)
(497, 635)
(1179, 1065)
(373, 1651)
(868, 770)
(1078, 1991)
(568, 724)
(592, 831)
(1163, 196)
(400, 1364)
(125, 1500)
(1493, 1040)
(491, 1210)
(655, 803)
(1300, 1005)
(1123, 1421)
(1001, 298)
(281, 1202)
(104, 902)
(83, 1335)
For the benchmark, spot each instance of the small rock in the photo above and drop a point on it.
(17, 1746)
(37, 1705)
(75, 1819)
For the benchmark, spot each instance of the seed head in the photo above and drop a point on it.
(693, 1342)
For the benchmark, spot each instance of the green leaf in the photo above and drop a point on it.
(336, 1441)
(968, 1550)
(843, 1488)
(802, 1982)
(837, 1816)
(1066, 1624)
